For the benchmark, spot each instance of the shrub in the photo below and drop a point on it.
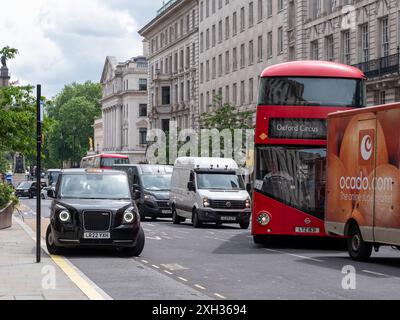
(7, 195)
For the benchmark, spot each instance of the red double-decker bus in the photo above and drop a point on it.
(295, 99)
(104, 161)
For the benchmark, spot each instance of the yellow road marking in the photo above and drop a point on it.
(81, 283)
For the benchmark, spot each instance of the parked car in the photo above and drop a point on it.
(154, 183)
(44, 191)
(209, 190)
(27, 189)
(94, 208)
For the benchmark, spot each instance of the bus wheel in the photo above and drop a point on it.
(359, 250)
(259, 239)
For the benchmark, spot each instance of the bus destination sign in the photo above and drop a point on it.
(296, 128)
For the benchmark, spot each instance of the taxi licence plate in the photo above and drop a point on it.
(97, 235)
(228, 218)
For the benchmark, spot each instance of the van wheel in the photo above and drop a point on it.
(244, 225)
(50, 243)
(195, 220)
(359, 250)
(175, 218)
(137, 250)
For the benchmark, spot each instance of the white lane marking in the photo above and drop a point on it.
(174, 267)
(210, 232)
(375, 273)
(150, 225)
(154, 238)
(145, 261)
(219, 296)
(199, 287)
(218, 239)
(183, 279)
(167, 272)
(295, 255)
(154, 266)
(185, 232)
(168, 238)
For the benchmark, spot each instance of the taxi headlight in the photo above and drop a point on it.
(64, 216)
(248, 203)
(206, 202)
(129, 216)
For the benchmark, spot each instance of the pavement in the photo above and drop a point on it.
(21, 278)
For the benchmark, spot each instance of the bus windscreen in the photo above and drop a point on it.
(310, 91)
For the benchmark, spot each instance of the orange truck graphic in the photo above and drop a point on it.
(363, 178)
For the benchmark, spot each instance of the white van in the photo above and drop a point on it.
(209, 190)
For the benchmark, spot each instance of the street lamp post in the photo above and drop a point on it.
(62, 151)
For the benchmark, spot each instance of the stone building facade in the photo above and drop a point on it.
(172, 37)
(124, 104)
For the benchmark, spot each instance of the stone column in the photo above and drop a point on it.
(118, 127)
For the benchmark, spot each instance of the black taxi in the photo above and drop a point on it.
(92, 208)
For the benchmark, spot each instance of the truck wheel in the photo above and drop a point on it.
(244, 225)
(137, 250)
(195, 220)
(50, 243)
(359, 250)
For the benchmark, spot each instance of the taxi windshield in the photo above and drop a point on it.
(95, 186)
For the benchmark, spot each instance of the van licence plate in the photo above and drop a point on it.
(307, 230)
(97, 235)
(228, 218)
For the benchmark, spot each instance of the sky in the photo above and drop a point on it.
(65, 41)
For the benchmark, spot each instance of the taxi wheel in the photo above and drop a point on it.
(137, 250)
(50, 244)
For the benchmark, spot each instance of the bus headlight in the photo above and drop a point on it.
(206, 203)
(129, 216)
(64, 216)
(264, 219)
(248, 204)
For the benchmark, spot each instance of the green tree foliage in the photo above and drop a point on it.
(7, 195)
(225, 116)
(17, 119)
(71, 114)
(8, 52)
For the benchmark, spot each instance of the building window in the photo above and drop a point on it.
(234, 94)
(220, 67)
(201, 72)
(165, 125)
(382, 97)
(227, 97)
(242, 93)
(329, 48)
(213, 68)
(346, 47)
(317, 7)
(142, 110)
(188, 90)
(182, 92)
(193, 19)
(220, 31)
(260, 48)
(201, 42)
(269, 8)
(201, 11)
(235, 61)
(207, 39)
(242, 19)
(242, 56)
(213, 6)
(280, 41)
(365, 43)
(219, 4)
(234, 23)
(227, 28)
(227, 62)
(187, 57)
(202, 108)
(142, 136)
(251, 53)
(208, 70)
(251, 14)
(214, 35)
(166, 96)
(260, 10)
(269, 44)
(314, 50)
(207, 8)
(251, 88)
(280, 5)
(142, 84)
(385, 37)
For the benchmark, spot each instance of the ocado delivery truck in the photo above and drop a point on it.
(363, 178)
